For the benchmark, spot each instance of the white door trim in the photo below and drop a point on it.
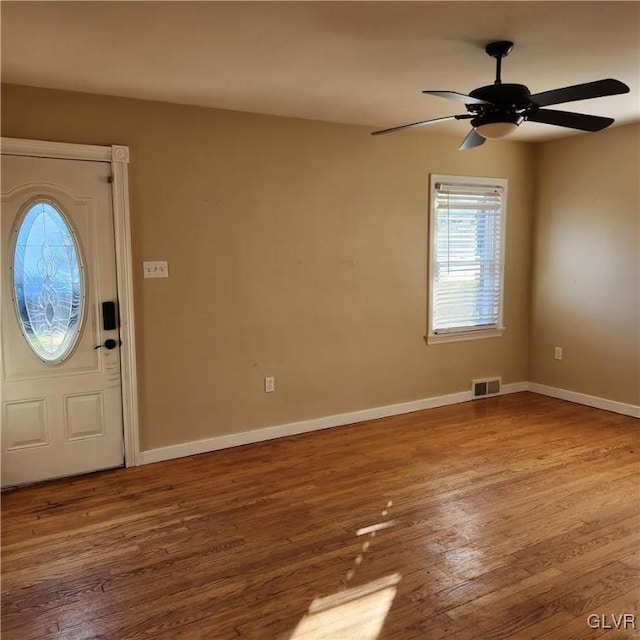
(118, 156)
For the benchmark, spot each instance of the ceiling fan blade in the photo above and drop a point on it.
(473, 139)
(460, 97)
(596, 89)
(414, 125)
(569, 119)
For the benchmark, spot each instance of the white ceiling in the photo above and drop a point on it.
(352, 62)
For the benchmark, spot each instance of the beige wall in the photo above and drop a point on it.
(586, 276)
(296, 249)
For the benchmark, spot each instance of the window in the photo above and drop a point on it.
(47, 282)
(467, 258)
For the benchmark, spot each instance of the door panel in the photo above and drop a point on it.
(58, 418)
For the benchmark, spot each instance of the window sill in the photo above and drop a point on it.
(460, 336)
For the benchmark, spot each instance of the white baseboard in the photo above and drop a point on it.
(582, 398)
(305, 426)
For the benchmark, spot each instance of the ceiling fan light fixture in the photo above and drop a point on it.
(493, 130)
(499, 127)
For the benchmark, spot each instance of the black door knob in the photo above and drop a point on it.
(108, 344)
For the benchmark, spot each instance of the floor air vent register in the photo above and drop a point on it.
(485, 387)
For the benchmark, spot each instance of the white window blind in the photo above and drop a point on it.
(467, 255)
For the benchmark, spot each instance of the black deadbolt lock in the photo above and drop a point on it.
(109, 316)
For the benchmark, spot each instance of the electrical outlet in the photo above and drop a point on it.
(558, 353)
(269, 384)
(156, 269)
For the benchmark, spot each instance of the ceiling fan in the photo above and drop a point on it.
(498, 109)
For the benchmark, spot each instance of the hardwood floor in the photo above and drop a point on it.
(514, 518)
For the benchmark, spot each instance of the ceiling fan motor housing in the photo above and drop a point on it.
(503, 96)
(509, 103)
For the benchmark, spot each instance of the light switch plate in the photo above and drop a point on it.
(156, 269)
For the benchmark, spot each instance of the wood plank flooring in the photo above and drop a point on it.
(510, 518)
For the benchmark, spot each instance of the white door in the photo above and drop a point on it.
(61, 389)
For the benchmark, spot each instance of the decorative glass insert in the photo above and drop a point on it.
(47, 282)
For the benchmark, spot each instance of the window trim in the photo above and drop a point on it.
(458, 335)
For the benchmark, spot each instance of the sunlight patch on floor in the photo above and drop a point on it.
(357, 613)
(374, 528)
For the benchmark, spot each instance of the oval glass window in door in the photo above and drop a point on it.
(48, 281)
